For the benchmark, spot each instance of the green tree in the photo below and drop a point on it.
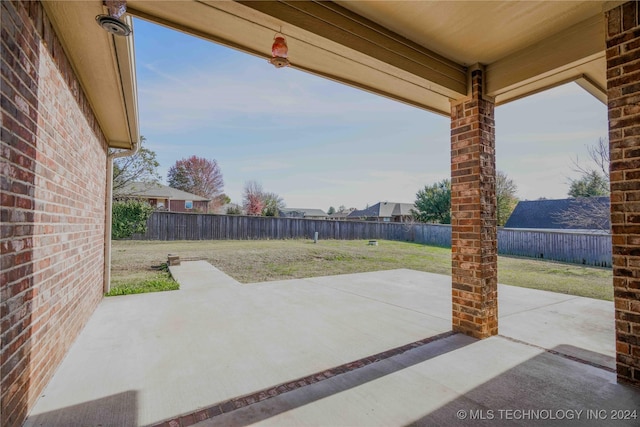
(272, 203)
(331, 210)
(506, 199)
(129, 217)
(591, 184)
(234, 210)
(594, 178)
(433, 203)
(142, 167)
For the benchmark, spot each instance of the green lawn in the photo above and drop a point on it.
(264, 260)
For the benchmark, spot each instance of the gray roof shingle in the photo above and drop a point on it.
(305, 212)
(153, 190)
(384, 210)
(544, 213)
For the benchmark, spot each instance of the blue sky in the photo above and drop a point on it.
(318, 143)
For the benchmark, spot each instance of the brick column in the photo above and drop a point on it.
(473, 213)
(623, 91)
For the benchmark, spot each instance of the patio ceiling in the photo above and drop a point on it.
(104, 64)
(417, 52)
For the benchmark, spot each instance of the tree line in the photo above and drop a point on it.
(196, 175)
(433, 202)
(203, 177)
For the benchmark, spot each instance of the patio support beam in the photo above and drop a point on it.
(473, 212)
(623, 91)
(337, 24)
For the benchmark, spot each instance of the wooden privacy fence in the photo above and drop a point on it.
(578, 248)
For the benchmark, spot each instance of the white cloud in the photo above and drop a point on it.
(174, 100)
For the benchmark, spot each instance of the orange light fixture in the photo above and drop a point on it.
(279, 51)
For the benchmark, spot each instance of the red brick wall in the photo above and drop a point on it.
(623, 91)
(473, 214)
(53, 207)
(198, 206)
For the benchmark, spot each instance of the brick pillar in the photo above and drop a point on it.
(623, 91)
(473, 214)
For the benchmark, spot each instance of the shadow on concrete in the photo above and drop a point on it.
(549, 389)
(120, 409)
(315, 392)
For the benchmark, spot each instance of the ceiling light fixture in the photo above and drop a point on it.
(279, 51)
(112, 22)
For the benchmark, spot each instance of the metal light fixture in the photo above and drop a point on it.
(279, 51)
(112, 22)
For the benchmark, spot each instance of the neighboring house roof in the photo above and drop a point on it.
(384, 210)
(545, 214)
(304, 212)
(159, 191)
(341, 214)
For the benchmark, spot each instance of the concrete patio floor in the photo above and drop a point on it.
(199, 353)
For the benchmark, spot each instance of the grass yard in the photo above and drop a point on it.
(145, 279)
(260, 260)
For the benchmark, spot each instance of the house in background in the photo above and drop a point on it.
(341, 215)
(384, 212)
(583, 213)
(163, 197)
(302, 213)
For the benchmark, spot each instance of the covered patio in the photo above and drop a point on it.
(360, 349)
(69, 94)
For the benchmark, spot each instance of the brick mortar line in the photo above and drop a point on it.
(233, 404)
(563, 355)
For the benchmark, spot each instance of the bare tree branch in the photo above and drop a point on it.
(141, 167)
(585, 213)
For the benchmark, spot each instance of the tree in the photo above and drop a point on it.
(433, 203)
(199, 176)
(272, 203)
(592, 184)
(594, 181)
(599, 155)
(234, 210)
(331, 210)
(252, 198)
(129, 217)
(506, 199)
(142, 167)
(586, 213)
(256, 201)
